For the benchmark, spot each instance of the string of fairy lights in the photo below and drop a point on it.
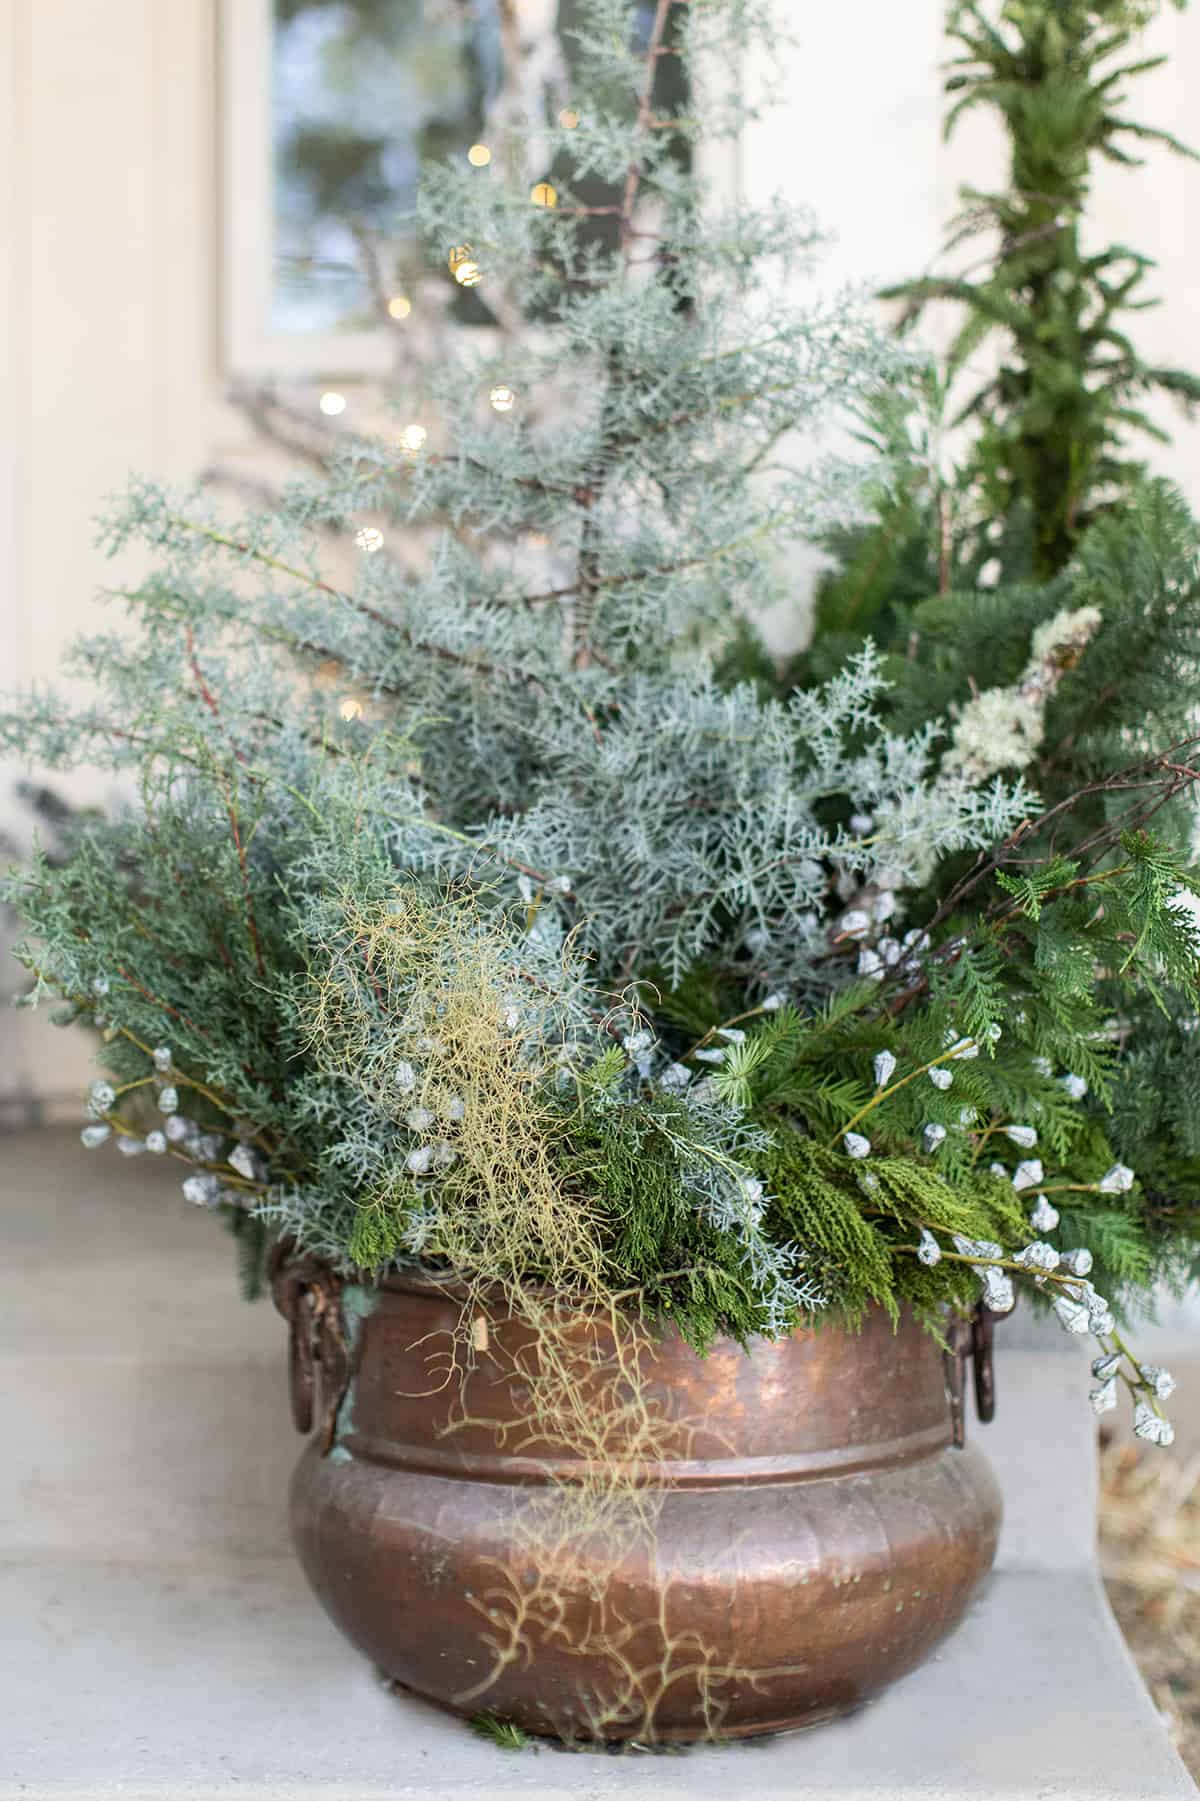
(465, 268)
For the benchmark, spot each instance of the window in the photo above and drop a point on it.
(329, 107)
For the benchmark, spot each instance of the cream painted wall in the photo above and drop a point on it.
(109, 325)
(108, 346)
(109, 352)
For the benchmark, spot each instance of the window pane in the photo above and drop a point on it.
(361, 91)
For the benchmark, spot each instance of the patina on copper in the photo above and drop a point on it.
(817, 1531)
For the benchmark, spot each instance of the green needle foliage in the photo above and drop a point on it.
(1123, 690)
(504, 1734)
(998, 1038)
(1055, 417)
(960, 563)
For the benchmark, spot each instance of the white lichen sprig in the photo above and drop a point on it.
(1001, 728)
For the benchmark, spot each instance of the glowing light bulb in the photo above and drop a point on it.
(412, 439)
(351, 709)
(332, 404)
(479, 156)
(544, 193)
(568, 118)
(502, 398)
(370, 539)
(463, 267)
(399, 306)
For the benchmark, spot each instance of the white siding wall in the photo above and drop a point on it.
(109, 354)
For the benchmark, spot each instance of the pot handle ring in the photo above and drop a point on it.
(307, 1294)
(971, 1339)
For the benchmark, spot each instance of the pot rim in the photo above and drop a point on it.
(416, 1279)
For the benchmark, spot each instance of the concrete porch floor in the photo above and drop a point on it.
(158, 1643)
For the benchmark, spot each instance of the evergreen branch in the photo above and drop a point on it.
(1136, 775)
(310, 646)
(645, 112)
(229, 1178)
(654, 572)
(305, 577)
(231, 810)
(950, 1056)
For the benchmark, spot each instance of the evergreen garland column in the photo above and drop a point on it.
(1071, 384)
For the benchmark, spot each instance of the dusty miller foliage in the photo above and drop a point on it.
(691, 896)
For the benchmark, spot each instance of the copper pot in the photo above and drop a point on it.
(816, 1530)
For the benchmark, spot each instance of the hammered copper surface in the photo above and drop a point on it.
(818, 1532)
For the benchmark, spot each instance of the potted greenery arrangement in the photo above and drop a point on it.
(630, 1143)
